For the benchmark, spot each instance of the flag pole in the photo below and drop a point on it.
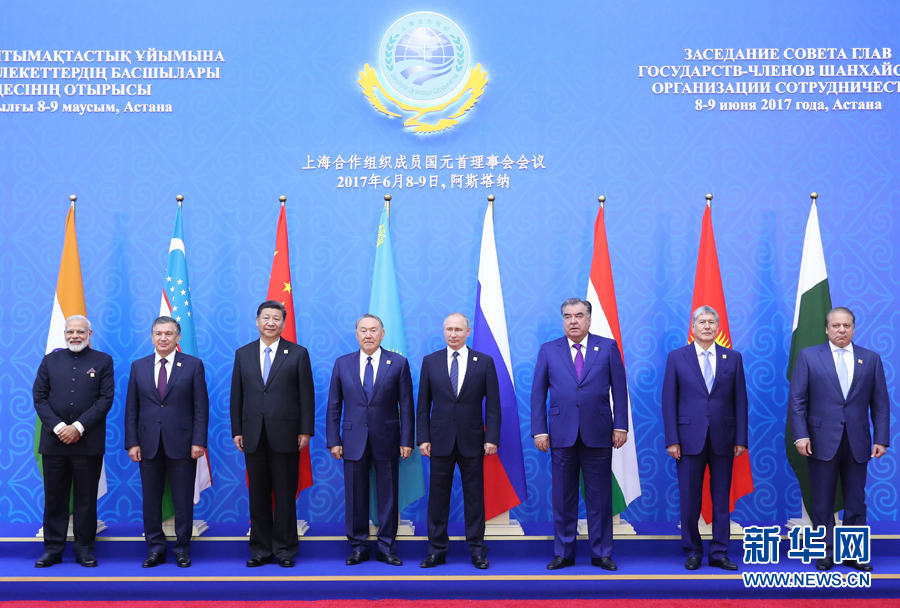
(179, 198)
(491, 205)
(387, 203)
(602, 200)
(709, 198)
(282, 199)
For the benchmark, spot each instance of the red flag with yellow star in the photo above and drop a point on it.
(708, 291)
(280, 291)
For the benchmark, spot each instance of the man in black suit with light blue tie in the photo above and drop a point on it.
(451, 429)
(166, 422)
(373, 389)
(834, 388)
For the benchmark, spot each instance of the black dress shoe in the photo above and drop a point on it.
(824, 563)
(480, 562)
(286, 562)
(153, 560)
(257, 561)
(724, 563)
(692, 563)
(47, 560)
(87, 560)
(560, 562)
(433, 560)
(852, 563)
(389, 558)
(356, 558)
(183, 560)
(604, 562)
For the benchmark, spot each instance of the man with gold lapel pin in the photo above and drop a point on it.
(372, 388)
(704, 406)
(834, 388)
(166, 422)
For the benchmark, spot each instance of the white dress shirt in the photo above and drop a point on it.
(463, 362)
(363, 359)
(848, 360)
(701, 357)
(262, 354)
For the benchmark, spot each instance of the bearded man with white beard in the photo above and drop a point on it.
(73, 393)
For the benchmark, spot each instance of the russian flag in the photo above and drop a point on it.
(504, 473)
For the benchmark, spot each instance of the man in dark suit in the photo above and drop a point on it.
(834, 388)
(73, 393)
(373, 389)
(704, 406)
(451, 430)
(272, 418)
(579, 371)
(166, 421)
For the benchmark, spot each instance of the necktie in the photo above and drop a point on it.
(579, 362)
(163, 379)
(842, 371)
(368, 379)
(707, 371)
(454, 374)
(267, 364)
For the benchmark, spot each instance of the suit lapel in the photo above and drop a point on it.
(174, 371)
(151, 372)
(471, 367)
(859, 364)
(592, 353)
(351, 363)
(384, 366)
(722, 363)
(693, 362)
(566, 356)
(826, 359)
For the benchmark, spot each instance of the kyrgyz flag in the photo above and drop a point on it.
(601, 293)
(68, 301)
(708, 292)
(385, 303)
(813, 304)
(280, 291)
(178, 303)
(504, 472)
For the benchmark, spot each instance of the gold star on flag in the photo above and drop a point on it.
(287, 287)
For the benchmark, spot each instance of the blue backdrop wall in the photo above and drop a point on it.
(577, 90)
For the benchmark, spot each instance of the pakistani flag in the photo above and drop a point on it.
(813, 304)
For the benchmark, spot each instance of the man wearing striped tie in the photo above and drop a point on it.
(704, 404)
(834, 387)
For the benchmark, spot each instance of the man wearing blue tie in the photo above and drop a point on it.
(834, 388)
(373, 389)
(580, 372)
(704, 406)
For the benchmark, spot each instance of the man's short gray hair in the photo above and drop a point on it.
(459, 314)
(369, 315)
(704, 310)
(79, 318)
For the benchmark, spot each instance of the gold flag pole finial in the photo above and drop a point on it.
(491, 205)
(602, 200)
(814, 196)
(387, 203)
(180, 199)
(282, 198)
(72, 198)
(709, 200)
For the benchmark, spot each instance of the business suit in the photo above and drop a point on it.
(165, 429)
(371, 433)
(454, 426)
(72, 387)
(270, 416)
(838, 428)
(581, 425)
(707, 424)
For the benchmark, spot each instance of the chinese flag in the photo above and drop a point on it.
(280, 291)
(708, 291)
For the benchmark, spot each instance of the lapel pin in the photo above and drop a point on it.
(285, 351)
(474, 358)
(724, 356)
(92, 374)
(859, 361)
(596, 348)
(178, 364)
(388, 361)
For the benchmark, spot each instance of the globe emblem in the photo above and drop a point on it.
(424, 54)
(424, 57)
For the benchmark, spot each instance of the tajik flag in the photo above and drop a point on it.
(504, 472)
(280, 291)
(178, 304)
(813, 304)
(601, 293)
(68, 301)
(708, 292)
(385, 304)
